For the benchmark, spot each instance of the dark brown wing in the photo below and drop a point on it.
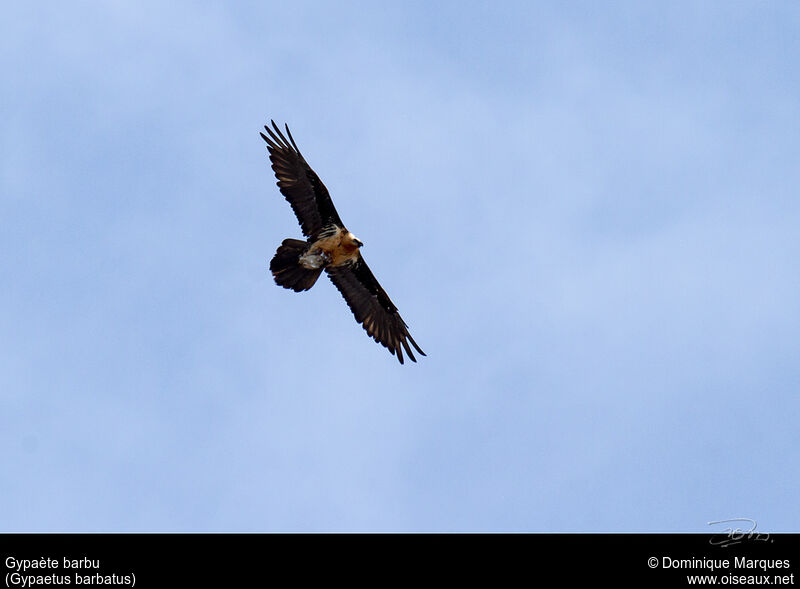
(372, 307)
(299, 184)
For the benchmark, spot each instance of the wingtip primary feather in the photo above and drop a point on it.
(280, 134)
(408, 350)
(416, 347)
(289, 133)
(279, 139)
(272, 141)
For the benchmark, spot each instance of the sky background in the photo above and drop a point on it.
(587, 213)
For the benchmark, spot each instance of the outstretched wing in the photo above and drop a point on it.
(299, 184)
(372, 307)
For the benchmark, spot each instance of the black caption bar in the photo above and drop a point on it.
(152, 560)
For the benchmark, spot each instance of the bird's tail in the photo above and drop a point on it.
(286, 268)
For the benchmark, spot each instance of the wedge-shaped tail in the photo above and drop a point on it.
(286, 268)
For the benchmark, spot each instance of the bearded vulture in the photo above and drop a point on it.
(331, 247)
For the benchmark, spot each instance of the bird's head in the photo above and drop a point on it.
(354, 240)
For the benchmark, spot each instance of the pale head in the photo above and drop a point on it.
(352, 240)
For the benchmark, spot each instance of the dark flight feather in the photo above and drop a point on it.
(373, 308)
(300, 185)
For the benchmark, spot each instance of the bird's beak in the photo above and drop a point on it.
(359, 243)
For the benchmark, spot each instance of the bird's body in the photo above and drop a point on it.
(337, 247)
(330, 247)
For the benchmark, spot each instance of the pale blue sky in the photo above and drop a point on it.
(586, 212)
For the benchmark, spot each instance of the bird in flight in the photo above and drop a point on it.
(331, 247)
